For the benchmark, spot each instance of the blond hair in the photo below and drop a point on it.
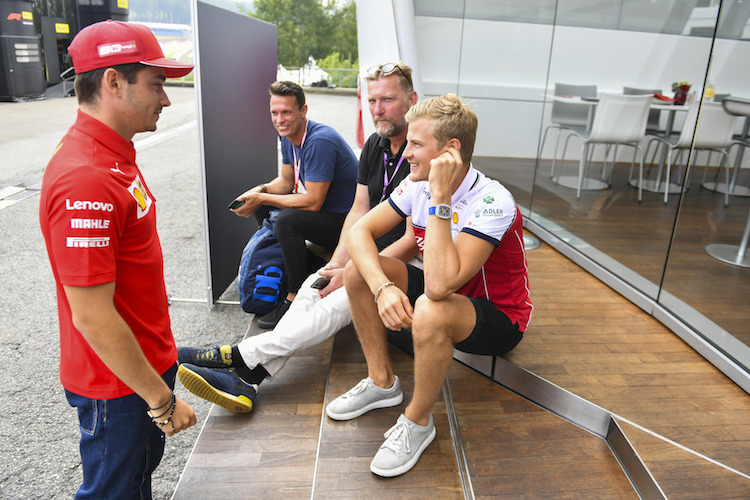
(451, 119)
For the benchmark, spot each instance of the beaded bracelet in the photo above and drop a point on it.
(377, 294)
(171, 406)
(168, 420)
(169, 401)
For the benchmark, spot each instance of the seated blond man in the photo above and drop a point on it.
(472, 294)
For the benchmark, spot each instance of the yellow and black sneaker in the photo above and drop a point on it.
(219, 385)
(208, 357)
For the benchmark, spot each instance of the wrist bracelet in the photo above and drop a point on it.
(165, 404)
(171, 406)
(159, 424)
(377, 294)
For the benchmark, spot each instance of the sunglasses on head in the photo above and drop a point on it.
(388, 69)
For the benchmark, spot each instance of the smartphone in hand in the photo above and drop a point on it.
(321, 283)
(235, 204)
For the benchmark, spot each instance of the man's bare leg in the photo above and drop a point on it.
(367, 322)
(437, 326)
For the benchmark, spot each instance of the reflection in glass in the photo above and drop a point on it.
(507, 57)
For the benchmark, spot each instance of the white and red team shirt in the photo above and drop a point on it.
(483, 208)
(98, 219)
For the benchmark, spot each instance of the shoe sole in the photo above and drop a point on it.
(380, 403)
(201, 388)
(408, 465)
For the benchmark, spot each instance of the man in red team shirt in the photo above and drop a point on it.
(98, 218)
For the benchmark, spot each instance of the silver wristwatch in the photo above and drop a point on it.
(442, 210)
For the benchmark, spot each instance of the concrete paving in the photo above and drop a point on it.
(39, 430)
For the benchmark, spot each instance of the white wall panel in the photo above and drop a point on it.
(501, 68)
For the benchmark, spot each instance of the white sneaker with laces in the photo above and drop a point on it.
(403, 446)
(363, 397)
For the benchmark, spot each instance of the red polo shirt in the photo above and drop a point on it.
(98, 219)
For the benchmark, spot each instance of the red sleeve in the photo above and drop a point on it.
(86, 214)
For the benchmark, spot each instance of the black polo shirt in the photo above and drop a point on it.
(372, 161)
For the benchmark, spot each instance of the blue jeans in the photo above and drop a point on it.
(120, 445)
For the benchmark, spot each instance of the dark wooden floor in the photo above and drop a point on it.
(584, 337)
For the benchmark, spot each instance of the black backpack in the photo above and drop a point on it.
(262, 278)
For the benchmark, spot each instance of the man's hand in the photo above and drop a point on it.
(394, 308)
(182, 418)
(443, 171)
(252, 199)
(336, 274)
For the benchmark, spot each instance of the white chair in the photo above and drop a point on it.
(567, 117)
(729, 187)
(714, 133)
(653, 125)
(620, 120)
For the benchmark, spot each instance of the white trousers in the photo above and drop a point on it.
(309, 321)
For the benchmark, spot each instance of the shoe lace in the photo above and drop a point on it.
(398, 438)
(208, 354)
(360, 387)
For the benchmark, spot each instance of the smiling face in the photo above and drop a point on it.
(144, 100)
(288, 118)
(388, 105)
(421, 149)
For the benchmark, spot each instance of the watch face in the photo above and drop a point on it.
(443, 211)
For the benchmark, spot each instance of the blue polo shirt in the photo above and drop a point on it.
(325, 156)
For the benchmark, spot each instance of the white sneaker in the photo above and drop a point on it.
(403, 446)
(363, 397)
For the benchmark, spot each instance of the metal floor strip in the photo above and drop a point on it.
(584, 414)
(458, 443)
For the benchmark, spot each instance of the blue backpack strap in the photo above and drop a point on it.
(270, 279)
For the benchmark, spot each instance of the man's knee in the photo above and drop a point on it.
(430, 320)
(286, 219)
(353, 280)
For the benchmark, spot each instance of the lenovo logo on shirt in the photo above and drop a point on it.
(73, 242)
(89, 205)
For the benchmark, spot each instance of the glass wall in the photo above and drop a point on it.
(507, 58)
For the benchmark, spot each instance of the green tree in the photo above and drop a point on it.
(344, 32)
(302, 28)
(310, 28)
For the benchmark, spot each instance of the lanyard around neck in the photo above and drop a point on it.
(386, 180)
(297, 161)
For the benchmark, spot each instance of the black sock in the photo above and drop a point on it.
(250, 376)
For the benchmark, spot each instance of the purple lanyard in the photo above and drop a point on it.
(386, 180)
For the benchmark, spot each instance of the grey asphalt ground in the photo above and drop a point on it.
(38, 429)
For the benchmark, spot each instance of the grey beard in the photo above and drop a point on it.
(393, 129)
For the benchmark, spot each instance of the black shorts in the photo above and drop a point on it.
(494, 332)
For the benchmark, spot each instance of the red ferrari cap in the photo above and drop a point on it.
(109, 43)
